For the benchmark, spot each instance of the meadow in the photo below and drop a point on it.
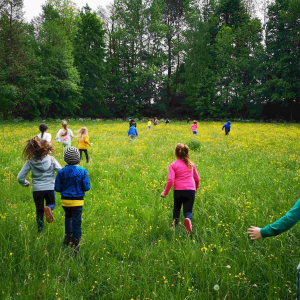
(250, 177)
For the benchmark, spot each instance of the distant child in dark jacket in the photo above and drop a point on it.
(132, 132)
(72, 182)
(227, 127)
(42, 167)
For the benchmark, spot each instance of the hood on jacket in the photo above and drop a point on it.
(228, 122)
(42, 164)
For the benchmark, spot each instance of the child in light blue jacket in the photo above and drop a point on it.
(42, 167)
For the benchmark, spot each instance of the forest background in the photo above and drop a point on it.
(166, 58)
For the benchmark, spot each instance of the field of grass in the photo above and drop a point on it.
(128, 251)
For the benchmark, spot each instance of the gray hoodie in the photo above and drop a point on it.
(42, 173)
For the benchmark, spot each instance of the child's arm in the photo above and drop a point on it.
(58, 183)
(58, 136)
(56, 164)
(87, 140)
(136, 132)
(278, 227)
(22, 175)
(196, 177)
(71, 134)
(86, 182)
(170, 182)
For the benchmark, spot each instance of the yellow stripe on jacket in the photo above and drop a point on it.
(71, 203)
(83, 144)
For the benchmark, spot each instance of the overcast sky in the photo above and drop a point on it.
(33, 8)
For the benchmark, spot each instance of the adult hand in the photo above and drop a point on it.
(254, 233)
(163, 195)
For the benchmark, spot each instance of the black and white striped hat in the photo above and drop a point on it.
(72, 156)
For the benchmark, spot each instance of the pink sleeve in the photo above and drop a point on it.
(196, 178)
(171, 178)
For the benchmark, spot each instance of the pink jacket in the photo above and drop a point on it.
(194, 127)
(181, 177)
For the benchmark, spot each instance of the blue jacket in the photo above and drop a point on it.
(227, 126)
(72, 181)
(132, 131)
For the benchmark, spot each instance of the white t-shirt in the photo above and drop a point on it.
(65, 138)
(46, 136)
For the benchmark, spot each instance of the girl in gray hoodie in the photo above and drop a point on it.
(42, 167)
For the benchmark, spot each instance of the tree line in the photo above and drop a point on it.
(174, 58)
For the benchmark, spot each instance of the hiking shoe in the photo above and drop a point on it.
(188, 226)
(48, 214)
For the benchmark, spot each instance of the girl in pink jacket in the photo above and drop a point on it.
(194, 128)
(184, 176)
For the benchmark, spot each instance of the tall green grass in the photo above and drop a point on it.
(250, 177)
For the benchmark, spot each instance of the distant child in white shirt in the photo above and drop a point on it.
(44, 134)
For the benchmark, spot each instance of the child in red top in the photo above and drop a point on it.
(194, 128)
(184, 176)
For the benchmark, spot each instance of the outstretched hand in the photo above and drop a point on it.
(163, 195)
(254, 233)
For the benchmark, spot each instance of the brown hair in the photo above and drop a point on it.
(194, 122)
(36, 147)
(82, 133)
(182, 152)
(64, 124)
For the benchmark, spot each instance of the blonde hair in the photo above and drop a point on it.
(37, 147)
(182, 152)
(82, 133)
(64, 124)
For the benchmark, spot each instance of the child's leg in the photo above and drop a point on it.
(80, 152)
(76, 224)
(50, 205)
(38, 198)
(177, 205)
(50, 199)
(188, 203)
(86, 155)
(68, 220)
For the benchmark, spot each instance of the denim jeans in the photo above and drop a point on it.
(39, 197)
(73, 221)
(185, 198)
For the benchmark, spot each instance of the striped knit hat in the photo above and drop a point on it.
(72, 156)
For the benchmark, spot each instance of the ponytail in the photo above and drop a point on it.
(182, 152)
(64, 124)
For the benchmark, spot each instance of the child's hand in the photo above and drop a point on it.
(163, 195)
(254, 233)
(27, 184)
(92, 144)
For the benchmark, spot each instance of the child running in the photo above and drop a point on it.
(42, 167)
(184, 176)
(44, 134)
(155, 122)
(194, 128)
(83, 142)
(283, 224)
(132, 132)
(65, 135)
(227, 127)
(149, 124)
(72, 182)
(167, 121)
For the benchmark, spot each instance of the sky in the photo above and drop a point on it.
(33, 8)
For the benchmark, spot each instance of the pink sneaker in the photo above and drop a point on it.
(48, 214)
(188, 226)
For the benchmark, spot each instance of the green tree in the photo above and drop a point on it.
(89, 54)
(281, 69)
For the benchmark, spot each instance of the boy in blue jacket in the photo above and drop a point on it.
(132, 132)
(72, 182)
(227, 127)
